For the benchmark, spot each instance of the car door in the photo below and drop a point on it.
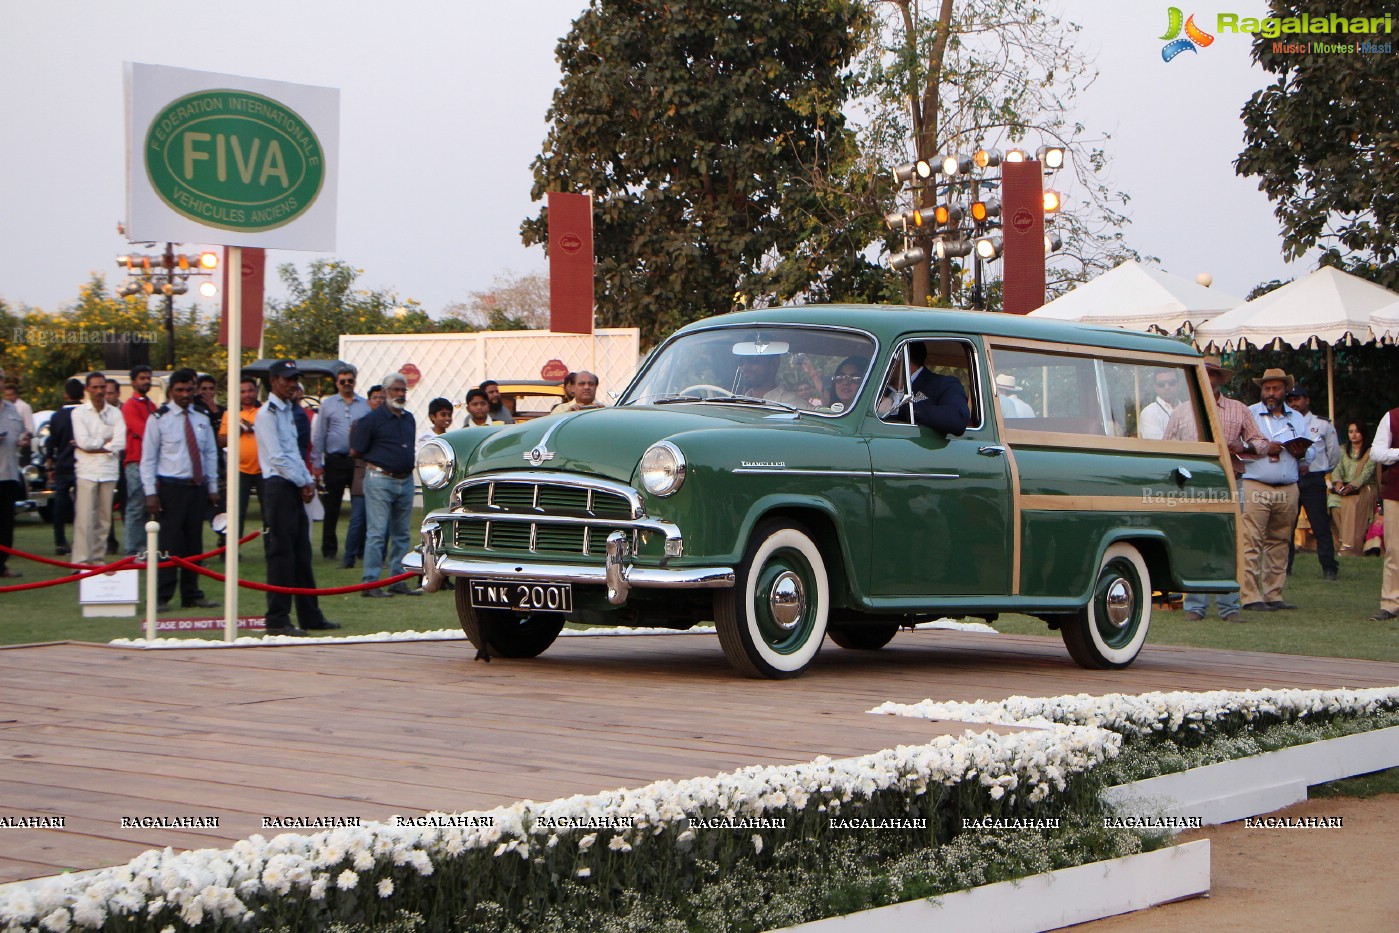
(941, 505)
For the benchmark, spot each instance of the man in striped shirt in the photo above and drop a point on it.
(1243, 438)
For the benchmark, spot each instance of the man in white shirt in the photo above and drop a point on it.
(12, 438)
(99, 436)
(1008, 392)
(179, 471)
(26, 412)
(1151, 423)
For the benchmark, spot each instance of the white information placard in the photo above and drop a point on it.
(110, 594)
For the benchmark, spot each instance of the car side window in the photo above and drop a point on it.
(1067, 393)
(942, 356)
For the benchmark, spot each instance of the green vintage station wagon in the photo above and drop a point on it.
(768, 471)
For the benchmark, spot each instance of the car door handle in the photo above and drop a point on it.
(1181, 475)
(991, 450)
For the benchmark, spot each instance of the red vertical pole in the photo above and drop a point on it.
(253, 268)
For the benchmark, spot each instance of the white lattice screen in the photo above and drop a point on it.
(453, 363)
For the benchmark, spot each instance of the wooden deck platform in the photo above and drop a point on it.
(94, 733)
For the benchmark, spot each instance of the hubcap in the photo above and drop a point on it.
(787, 600)
(1119, 602)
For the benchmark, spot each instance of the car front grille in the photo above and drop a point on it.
(539, 514)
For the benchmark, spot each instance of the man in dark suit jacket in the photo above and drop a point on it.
(59, 455)
(939, 402)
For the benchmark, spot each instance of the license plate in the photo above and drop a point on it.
(522, 597)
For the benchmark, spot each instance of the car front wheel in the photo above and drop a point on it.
(772, 621)
(504, 634)
(1110, 631)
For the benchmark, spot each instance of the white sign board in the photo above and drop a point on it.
(110, 594)
(215, 158)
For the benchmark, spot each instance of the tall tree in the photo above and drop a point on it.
(325, 304)
(947, 76)
(1323, 139)
(708, 133)
(513, 302)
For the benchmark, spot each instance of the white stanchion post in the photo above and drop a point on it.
(152, 574)
(233, 275)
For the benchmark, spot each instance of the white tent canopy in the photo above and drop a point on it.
(1384, 324)
(1327, 307)
(1135, 297)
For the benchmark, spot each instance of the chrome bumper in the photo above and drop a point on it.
(618, 574)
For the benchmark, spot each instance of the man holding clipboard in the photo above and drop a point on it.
(1270, 494)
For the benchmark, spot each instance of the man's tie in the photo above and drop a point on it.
(193, 446)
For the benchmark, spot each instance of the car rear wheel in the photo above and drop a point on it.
(772, 621)
(1110, 631)
(504, 634)
(864, 637)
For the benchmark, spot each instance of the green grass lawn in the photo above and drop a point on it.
(53, 614)
(1332, 619)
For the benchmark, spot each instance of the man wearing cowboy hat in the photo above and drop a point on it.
(1270, 493)
(1311, 486)
(1012, 406)
(1241, 435)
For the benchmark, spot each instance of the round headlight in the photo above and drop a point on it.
(435, 463)
(662, 469)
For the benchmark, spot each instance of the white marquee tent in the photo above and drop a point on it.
(1135, 297)
(1326, 308)
(1384, 324)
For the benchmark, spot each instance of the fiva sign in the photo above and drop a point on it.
(235, 160)
(240, 161)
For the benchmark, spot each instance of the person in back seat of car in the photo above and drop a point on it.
(499, 410)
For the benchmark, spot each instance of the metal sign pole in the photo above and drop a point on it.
(233, 264)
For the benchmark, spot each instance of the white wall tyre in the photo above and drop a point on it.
(1109, 632)
(771, 623)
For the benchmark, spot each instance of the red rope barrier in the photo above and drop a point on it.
(124, 564)
(131, 563)
(294, 590)
(104, 568)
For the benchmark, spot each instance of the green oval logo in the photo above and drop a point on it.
(234, 160)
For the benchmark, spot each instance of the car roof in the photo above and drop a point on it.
(529, 387)
(892, 321)
(260, 368)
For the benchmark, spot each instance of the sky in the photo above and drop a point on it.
(443, 106)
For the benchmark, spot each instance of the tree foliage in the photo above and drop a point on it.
(513, 302)
(325, 304)
(1322, 139)
(41, 350)
(712, 139)
(944, 76)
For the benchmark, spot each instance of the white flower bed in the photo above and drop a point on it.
(234, 884)
(1145, 713)
(298, 879)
